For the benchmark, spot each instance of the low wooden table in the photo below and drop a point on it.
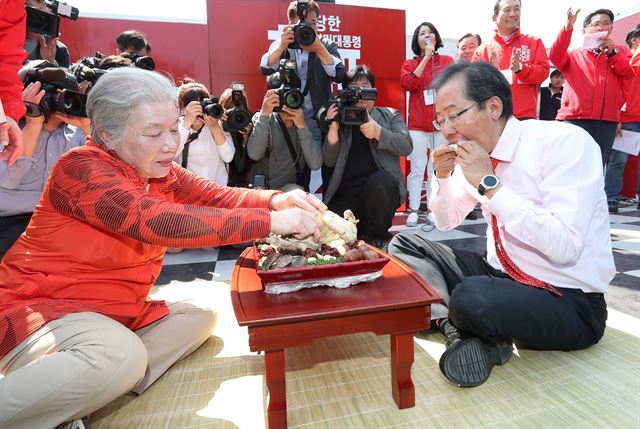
(398, 304)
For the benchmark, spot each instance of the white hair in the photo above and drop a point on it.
(111, 101)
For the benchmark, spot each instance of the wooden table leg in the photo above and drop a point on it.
(404, 392)
(275, 379)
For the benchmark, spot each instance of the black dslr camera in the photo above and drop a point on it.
(212, 107)
(303, 33)
(142, 61)
(287, 83)
(88, 68)
(345, 100)
(48, 23)
(61, 92)
(237, 118)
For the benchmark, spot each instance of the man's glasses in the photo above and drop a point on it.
(453, 118)
(603, 24)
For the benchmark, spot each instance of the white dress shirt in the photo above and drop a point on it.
(551, 209)
(206, 158)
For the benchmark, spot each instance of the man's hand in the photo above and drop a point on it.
(32, 94)
(48, 50)
(619, 130)
(271, 101)
(296, 115)
(83, 123)
(607, 44)
(515, 65)
(494, 59)
(474, 161)
(286, 38)
(571, 19)
(11, 145)
(371, 129)
(443, 159)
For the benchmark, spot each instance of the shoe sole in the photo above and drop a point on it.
(468, 362)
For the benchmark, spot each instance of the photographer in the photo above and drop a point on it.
(40, 47)
(367, 178)
(280, 158)
(21, 184)
(206, 148)
(318, 64)
(132, 41)
(239, 166)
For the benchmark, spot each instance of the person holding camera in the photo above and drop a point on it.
(367, 178)
(317, 59)
(205, 147)
(239, 166)
(44, 47)
(46, 138)
(416, 76)
(282, 143)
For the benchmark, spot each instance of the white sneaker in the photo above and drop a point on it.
(412, 219)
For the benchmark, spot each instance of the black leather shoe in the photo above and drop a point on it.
(467, 361)
(613, 206)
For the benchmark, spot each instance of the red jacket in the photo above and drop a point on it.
(631, 89)
(97, 238)
(421, 116)
(12, 33)
(535, 68)
(593, 82)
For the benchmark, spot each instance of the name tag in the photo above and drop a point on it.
(429, 97)
(508, 74)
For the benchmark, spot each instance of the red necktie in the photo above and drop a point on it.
(507, 264)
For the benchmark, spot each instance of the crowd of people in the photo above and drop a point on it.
(142, 166)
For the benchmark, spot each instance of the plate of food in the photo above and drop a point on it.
(336, 259)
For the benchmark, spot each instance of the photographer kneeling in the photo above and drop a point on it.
(367, 178)
(283, 141)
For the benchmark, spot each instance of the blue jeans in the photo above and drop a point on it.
(615, 168)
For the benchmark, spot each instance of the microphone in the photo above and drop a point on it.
(48, 74)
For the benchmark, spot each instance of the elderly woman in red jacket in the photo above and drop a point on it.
(416, 76)
(76, 327)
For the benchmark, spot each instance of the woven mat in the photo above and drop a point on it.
(345, 382)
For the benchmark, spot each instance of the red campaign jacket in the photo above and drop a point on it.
(12, 33)
(631, 90)
(420, 116)
(96, 240)
(535, 68)
(593, 82)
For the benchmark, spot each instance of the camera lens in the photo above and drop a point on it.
(237, 120)
(293, 99)
(214, 110)
(304, 35)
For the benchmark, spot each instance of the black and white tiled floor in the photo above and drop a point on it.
(624, 292)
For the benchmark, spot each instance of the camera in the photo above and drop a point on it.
(237, 118)
(303, 33)
(48, 23)
(345, 100)
(88, 69)
(61, 90)
(142, 61)
(287, 83)
(212, 107)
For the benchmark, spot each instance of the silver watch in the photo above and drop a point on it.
(487, 183)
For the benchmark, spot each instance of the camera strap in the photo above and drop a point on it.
(287, 137)
(193, 135)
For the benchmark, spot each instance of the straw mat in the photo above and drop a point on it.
(345, 382)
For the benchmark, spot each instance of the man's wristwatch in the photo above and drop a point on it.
(488, 183)
(33, 110)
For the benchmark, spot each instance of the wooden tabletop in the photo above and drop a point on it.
(399, 287)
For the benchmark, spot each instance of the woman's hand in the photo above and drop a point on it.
(192, 112)
(297, 222)
(334, 125)
(297, 198)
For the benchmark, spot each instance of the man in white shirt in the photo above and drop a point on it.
(549, 258)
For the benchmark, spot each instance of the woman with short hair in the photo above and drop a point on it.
(76, 327)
